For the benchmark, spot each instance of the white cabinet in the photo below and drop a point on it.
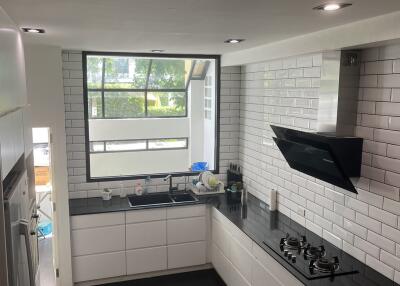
(229, 244)
(146, 260)
(98, 246)
(146, 234)
(240, 261)
(98, 240)
(275, 269)
(186, 236)
(221, 263)
(97, 220)
(146, 215)
(11, 140)
(260, 275)
(186, 254)
(138, 241)
(186, 211)
(98, 266)
(186, 230)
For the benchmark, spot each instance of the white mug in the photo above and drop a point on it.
(107, 194)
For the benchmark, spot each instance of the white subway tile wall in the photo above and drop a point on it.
(366, 225)
(78, 187)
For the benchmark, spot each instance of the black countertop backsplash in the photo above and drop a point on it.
(260, 225)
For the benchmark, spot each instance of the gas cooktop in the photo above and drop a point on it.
(312, 261)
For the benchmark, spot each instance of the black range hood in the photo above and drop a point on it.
(327, 157)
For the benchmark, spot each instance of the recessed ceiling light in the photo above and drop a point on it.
(332, 6)
(33, 30)
(233, 41)
(157, 51)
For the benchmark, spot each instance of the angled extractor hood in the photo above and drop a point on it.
(329, 158)
(332, 154)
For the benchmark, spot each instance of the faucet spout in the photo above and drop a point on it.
(170, 182)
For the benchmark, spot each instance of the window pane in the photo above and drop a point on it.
(96, 146)
(94, 66)
(94, 104)
(168, 143)
(124, 104)
(160, 104)
(126, 72)
(167, 74)
(125, 145)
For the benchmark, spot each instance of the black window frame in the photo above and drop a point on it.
(217, 59)
(146, 141)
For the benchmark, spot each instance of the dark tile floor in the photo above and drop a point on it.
(195, 278)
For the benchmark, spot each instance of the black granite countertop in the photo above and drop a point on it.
(260, 225)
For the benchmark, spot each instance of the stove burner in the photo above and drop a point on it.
(314, 252)
(325, 265)
(293, 243)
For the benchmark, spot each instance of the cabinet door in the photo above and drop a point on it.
(274, 268)
(188, 254)
(221, 237)
(186, 211)
(6, 144)
(98, 266)
(241, 259)
(97, 220)
(146, 260)
(98, 240)
(147, 234)
(260, 276)
(137, 216)
(220, 263)
(236, 278)
(18, 134)
(186, 230)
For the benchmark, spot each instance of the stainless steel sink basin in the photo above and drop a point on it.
(160, 199)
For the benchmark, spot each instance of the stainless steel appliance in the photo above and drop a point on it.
(18, 215)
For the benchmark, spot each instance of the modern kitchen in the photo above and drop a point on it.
(238, 143)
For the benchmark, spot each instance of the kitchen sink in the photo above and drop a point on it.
(149, 200)
(183, 198)
(160, 199)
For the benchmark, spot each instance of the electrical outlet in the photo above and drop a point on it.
(301, 211)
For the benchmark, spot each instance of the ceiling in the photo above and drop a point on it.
(179, 26)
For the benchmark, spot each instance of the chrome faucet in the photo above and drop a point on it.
(171, 189)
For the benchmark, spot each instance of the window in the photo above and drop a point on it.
(134, 87)
(138, 145)
(149, 114)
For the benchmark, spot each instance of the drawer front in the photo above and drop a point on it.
(241, 259)
(98, 266)
(146, 260)
(146, 215)
(97, 220)
(186, 230)
(147, 234)
(221, 237)
(237, 279)
(277, 270)
(98, 240)
(260, 275)
(186, 211)
(188, 254)
(220, 263)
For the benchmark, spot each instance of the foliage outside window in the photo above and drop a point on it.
(136, 87)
